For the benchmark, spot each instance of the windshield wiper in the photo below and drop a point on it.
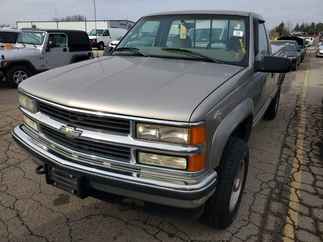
(133, 50)
(193, 53)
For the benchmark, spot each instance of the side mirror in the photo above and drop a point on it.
(273, 64)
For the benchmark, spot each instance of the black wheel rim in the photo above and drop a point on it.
(19, 76)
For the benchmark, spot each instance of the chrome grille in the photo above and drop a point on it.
(79, 119)
(88, 147)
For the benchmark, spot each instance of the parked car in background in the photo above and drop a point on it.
(321, 36)
(300, 42)
(8, 37)
(165, 119)
(319, 52)
(114, 43)
(40, 50)
(309, 41)
(101, 38)
(291, 49)
(279, 51)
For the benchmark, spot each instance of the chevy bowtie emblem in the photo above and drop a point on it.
(70, 132)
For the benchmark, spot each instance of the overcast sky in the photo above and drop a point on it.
(273, 10)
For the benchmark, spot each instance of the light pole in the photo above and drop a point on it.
(95, 26)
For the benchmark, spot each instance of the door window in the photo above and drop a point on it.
(57, 40)
(106, 33)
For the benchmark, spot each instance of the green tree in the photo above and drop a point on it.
(319, 27)
(297, 28)
(281, 29)
(302, 27)
(312, 28)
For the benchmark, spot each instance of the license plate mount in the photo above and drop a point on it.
(66, 180)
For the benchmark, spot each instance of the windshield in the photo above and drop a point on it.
(222, 38)
(98, 32)
(291, 46)
(33, 38)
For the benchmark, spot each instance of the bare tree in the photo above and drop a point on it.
(4, 25)
(72, 18)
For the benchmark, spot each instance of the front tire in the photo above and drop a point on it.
(18, 74)
(221, 209)
(272, 110)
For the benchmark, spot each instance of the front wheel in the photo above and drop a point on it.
(222, 207)
(17, 74)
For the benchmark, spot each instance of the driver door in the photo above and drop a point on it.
(57, 52)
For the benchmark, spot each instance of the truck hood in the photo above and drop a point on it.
(19, 53)
(167, 89)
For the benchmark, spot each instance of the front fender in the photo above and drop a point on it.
(225, 129)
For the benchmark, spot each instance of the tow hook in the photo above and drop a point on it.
(41, 170)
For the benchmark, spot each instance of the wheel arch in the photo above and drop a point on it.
(237, 123)
(25, 63)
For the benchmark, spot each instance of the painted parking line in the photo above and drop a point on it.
(294, 202)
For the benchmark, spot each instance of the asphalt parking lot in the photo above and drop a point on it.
(283, 199)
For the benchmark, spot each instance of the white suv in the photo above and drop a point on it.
(101, 38)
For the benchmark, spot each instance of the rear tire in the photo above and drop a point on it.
(273, 108)
(18, 74)
(101, 46)
(221, 209)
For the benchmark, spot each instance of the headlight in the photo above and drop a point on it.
(27, 103)
(30, 123)
(162, 160)
(170, 134)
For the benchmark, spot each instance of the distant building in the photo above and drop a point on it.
(86, 25)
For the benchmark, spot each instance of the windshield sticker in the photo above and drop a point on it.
(182, 32)
(238, 33)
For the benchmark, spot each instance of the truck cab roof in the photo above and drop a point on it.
(210, 12)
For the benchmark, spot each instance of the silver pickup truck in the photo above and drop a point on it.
(165, 119)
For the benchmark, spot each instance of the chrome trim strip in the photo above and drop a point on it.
(207, 181)
(118, 139)
(104, 114)
(185, 176)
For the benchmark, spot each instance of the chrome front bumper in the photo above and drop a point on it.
(143, 184)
